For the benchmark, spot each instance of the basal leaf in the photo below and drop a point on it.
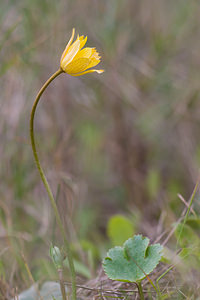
(133, 261)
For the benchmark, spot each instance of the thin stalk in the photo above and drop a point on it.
(159, 278)
(139, 286)
(46, 184)
(62, 285)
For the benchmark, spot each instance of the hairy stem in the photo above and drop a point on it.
(46, 184)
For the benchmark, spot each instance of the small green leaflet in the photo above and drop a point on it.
(133, 261)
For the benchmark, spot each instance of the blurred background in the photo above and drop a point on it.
(122, 143)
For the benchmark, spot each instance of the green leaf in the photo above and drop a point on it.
(119, 229)
(133, 261)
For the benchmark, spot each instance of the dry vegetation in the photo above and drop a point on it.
(124, 142)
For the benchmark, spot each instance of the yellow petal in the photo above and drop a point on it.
(85, 52)
(77, 65)
(96, 54)
(70, 54)
(82, 41)
(89, 71)
(93, 62)
(68, 44)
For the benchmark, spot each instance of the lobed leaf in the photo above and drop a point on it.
(133, 261)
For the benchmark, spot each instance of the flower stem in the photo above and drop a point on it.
(62, 285)
(46, 184)
(139, 286)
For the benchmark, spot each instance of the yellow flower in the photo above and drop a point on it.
(77, 61)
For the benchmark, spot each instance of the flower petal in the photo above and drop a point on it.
(77, 65)
(68, 44)
(70, 54)
(93, 62)
(90, 53)
(85, 52)
(82, 41)
(96, 54)
(89, 71)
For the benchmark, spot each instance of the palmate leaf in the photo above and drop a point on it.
(133, 261)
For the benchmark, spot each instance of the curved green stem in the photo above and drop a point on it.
(46, 184)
